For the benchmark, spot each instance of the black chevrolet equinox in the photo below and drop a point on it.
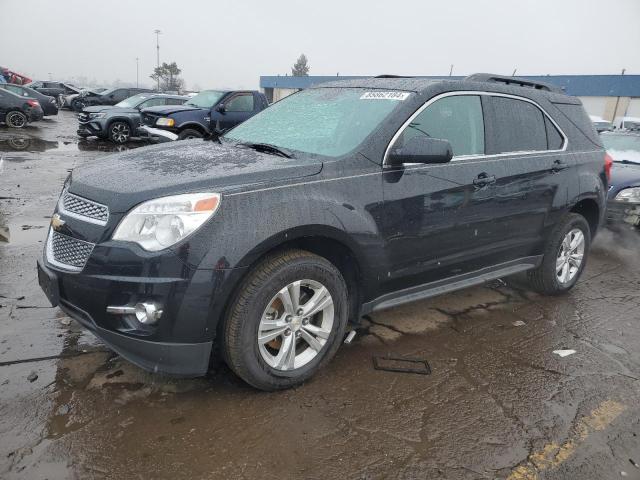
(337, 201)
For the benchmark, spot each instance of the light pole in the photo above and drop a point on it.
(158, 32)
(137, 74)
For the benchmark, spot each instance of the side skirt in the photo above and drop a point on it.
(439, 287)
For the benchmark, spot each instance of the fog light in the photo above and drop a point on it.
(147, 313)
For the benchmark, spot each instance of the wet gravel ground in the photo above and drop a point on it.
(498, 403)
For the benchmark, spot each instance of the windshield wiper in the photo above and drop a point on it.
(267, 148)
(627, 162)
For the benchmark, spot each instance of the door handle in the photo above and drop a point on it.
(558, 165)
(483, 179)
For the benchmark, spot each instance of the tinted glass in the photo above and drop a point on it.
(206, 99)
(457, 119)
(519, 126)
(153, 102)
(240, 103)
(324, 121)
(175, 101)
(554, 139)
(133, 101)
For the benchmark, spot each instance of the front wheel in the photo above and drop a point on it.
(119, 132)
(16, 119)
(287, 320)
(565, 257)
(189, 133)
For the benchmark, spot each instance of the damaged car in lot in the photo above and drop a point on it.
(17, 111)
(337, 201)
(120, 122)
(112, 96)
(207, 114)
(48, 104)
(623, 206)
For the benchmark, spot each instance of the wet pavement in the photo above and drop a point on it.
(498, 403)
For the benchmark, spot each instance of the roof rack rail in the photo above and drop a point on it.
(392, 76)
(517, 81)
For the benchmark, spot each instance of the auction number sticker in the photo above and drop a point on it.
(384, 96)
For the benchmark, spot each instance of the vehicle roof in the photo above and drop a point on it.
(165, 95)
(622, 133)
(421, 85)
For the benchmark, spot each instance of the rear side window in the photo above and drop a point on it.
(518, 126)
(457, 119)
(175, 101)
(240, 103)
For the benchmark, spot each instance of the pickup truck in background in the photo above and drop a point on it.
(208, 114)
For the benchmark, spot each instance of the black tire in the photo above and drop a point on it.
(240, 333)
(544, 279)
(16, 119)
(189, 133)
(77, 105)
(119, 132)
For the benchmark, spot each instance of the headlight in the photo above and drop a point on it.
(97, 115)
(160, 223)
(165, 122)
(629, 195)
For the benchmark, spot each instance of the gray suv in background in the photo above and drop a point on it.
(119, 122)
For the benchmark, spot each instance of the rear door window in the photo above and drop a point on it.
(554, 138)
(240, 103)
(518, 126)
(457, 119)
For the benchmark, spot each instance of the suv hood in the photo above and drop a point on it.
(124, 180)
(169, 109)
(106, 108)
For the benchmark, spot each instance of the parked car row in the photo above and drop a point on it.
(163, 117)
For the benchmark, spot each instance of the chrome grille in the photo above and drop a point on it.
(86, 209)
(67, 252)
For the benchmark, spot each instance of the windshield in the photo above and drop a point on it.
(132, 102)
(622, 147)
(323, 121)
(206, 99)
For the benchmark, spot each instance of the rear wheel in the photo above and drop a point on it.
(287, 320)
(16, 119)
(564, 258)
(119, 132)
(189, 133)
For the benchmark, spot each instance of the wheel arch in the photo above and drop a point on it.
(325, 241)
(192, 126)
(591, 211)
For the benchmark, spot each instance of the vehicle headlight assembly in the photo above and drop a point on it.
(160, 223)
(631, 195)
(165, 122)
(93, 116)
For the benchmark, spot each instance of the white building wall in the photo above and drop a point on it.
(595, 106)
(633, 110)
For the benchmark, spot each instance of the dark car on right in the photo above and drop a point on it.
(208, 114)
(340, 200)
(17, 111)
(49, 104)
(88, 98)
(623, 204)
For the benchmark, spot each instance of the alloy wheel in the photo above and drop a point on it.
(16, 119)
(296, 325)
(570, 256)
(120, 132)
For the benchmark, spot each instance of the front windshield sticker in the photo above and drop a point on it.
(384, 96)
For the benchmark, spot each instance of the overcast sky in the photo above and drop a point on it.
(226, 44)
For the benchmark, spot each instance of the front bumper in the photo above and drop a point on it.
(78, 295)
(620, 213)
(156, 135)
(92, 128)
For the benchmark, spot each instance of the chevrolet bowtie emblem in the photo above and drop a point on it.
(57, 222)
